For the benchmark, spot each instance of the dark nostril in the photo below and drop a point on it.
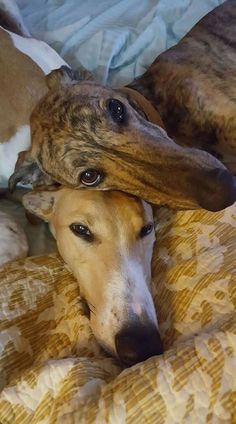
(219, 190)
(137, 343)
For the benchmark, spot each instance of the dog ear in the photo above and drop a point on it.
(28, 172)
(41, 203)
(82, 74)
(60, 77)
(66, 76)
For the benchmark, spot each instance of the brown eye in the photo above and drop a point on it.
(82, 231)
(146, 230)
(90, 177)
(116, 110)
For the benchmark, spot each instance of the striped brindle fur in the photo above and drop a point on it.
(75, 127)
(193, 85)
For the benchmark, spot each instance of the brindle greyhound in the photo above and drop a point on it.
(84, 134)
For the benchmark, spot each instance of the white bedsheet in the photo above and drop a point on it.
(115, 39)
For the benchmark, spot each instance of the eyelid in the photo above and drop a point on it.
(142, 233)
(87, 237)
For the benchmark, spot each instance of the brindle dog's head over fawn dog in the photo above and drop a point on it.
(84, 134)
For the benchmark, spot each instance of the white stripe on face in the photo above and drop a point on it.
(127, 301)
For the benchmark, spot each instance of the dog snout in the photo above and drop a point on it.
(137, 343)
(219, 191)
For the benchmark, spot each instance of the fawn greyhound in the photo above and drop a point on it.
(84, 134)
(107, 239)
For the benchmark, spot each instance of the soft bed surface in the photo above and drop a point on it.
(115, 39)
(53, 371)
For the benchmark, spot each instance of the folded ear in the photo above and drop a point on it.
(82, 74)
(28, 172)
(60, 77)
(41, 203)
(66, 76)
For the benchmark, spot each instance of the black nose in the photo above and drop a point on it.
(218, 190)
(137, 343)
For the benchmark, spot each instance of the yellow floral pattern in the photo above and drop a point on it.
(53, 371)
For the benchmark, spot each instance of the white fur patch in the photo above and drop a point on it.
(41, 53)
(140, 299)
(9, 152)
(127, 297)
(13, 242)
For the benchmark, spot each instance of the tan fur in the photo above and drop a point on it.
(113, 270)
(151, 113)
(22, 85)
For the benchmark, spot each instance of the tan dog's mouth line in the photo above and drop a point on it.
(85, 307)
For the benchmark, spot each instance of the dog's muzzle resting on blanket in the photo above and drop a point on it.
(107, 239)
(84, 134)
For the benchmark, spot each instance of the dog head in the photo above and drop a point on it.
(84, 134)
(107, 239)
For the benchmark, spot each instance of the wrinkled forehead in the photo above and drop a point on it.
(76, 105)
(90, 95)
(92, 90)
(97, 208)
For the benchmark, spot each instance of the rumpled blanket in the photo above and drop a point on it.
(53, 371)
(115, 39)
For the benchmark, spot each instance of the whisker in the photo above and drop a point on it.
(90, 304)
(91, 308)
(88, 307)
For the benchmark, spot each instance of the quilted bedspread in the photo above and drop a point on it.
(53, 371)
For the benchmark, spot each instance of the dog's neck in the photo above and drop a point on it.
(150, 112)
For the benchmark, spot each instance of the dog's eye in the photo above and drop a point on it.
(117, 110)
(146, 230)
(90, 177)
(82, 231)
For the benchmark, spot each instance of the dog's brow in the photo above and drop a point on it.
(95, 97)
(85, 219)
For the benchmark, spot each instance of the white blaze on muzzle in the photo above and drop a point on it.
(138, 298)
(127, 301)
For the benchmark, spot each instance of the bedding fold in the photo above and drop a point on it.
(114, 39)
